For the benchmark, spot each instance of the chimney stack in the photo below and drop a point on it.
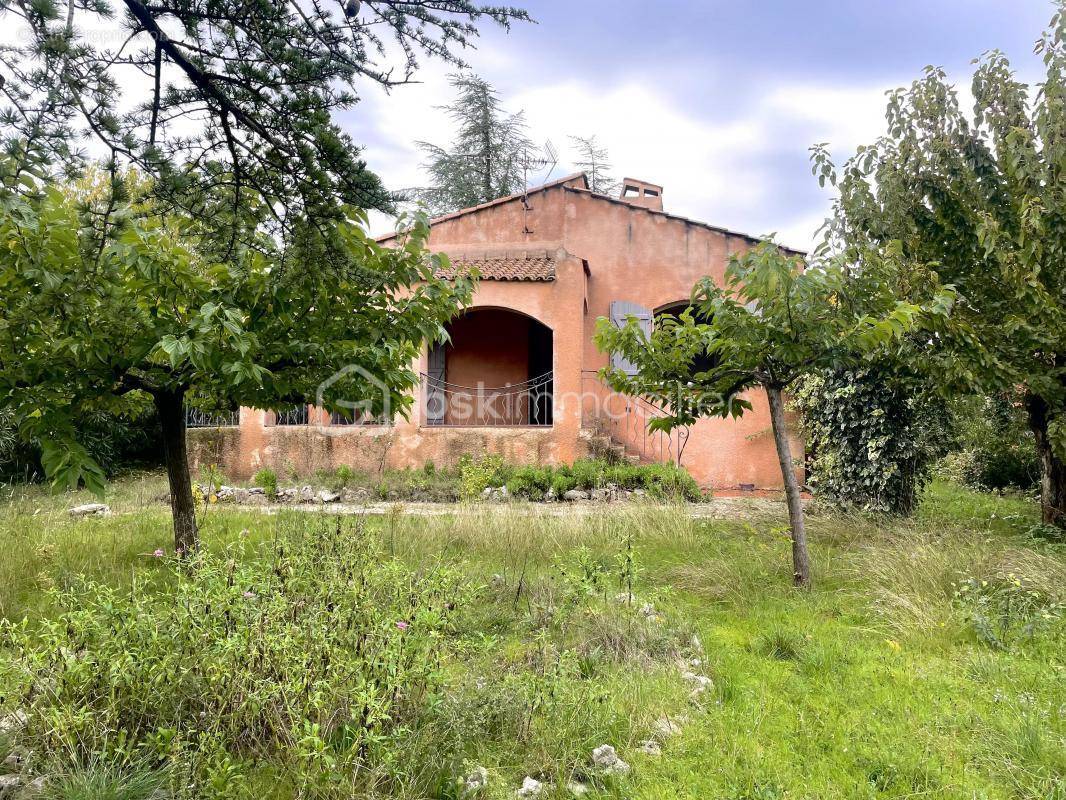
(642, 193)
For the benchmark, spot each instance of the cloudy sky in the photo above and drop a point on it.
(718, 100)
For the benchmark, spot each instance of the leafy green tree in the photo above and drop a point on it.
(873, 433)
(487, 158)
(774, 321)
(594, 161)
(979, 199)
(91, 318)
(226, 105)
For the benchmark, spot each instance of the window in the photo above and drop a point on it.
(296, 415)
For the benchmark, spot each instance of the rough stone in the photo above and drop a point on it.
(606, 760)
(476, 782)
(307, 494)
(326, 496)
(360, 495)
(13, 722)
(600, 495)
(651, 747)
(578, 789)
(91, 510)
(9, 785)
(531, 787)
(575, 494)
(665, 728)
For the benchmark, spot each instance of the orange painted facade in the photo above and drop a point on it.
(601, 251)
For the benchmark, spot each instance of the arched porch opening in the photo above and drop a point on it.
(496, 370)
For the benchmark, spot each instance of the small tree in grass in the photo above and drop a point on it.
(772, 322)
(91, 317)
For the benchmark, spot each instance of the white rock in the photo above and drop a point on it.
(651, 747)
(575, 494)
(91, 510)
(326, 496)
(476, 781)
(13, 722)
(647, 610)
(9, 785)
(307, 494)
(698, 682)
(664, 728)
(606, 759)
(578, 789)
(531, 787)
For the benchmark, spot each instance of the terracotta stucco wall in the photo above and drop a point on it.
(409, 442)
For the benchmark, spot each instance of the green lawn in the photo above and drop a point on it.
(878, 683)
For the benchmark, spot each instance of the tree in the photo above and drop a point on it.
(981, 200)
(90, 318)
(594, 161)
(487, 158)
(225, 105)
(774, 321)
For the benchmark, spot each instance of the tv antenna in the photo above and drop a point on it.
(547, 158)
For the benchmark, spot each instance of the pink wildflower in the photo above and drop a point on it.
(249, 594)
(402, 625)
(159, 553)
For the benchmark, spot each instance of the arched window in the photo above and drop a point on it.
(702, 362)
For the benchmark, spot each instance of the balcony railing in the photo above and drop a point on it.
(527, 404)
(626, 419)
(297, 415)
(198, 418)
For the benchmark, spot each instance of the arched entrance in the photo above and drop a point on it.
(495, 371)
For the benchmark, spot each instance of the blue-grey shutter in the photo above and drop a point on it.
(435, 397)
(620, 310)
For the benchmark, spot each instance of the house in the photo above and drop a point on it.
(519, 376)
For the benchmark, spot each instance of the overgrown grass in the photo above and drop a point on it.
(928, 661)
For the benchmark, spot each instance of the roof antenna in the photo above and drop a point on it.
(547, 158)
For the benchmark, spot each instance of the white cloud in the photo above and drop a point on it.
(729, 172)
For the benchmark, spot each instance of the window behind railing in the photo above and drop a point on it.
(199, 418)
(296, 415)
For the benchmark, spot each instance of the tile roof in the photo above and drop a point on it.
(538, 266)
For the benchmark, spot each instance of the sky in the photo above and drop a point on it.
(717, 101)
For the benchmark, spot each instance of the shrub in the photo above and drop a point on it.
(531, 483)
(344, 474)
(267, 480)
(874, 434)
(311, 656)
(994, 448)
(475, 476)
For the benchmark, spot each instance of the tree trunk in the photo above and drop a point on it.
(171, 408)
(801, 562)
(1052, 468)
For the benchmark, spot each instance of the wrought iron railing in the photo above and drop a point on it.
(198, 418)
(525, 404)
(626, 419)
(296, 415)
(356, 418)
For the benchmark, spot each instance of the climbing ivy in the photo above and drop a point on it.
(873, 436)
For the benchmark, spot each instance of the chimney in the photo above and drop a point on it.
(642, 193)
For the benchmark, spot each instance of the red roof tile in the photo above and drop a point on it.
(524, 267)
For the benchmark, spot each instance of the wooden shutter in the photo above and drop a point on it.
(435, 397)
(620, 310)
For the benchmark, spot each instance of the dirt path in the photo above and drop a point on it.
(717, 508)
